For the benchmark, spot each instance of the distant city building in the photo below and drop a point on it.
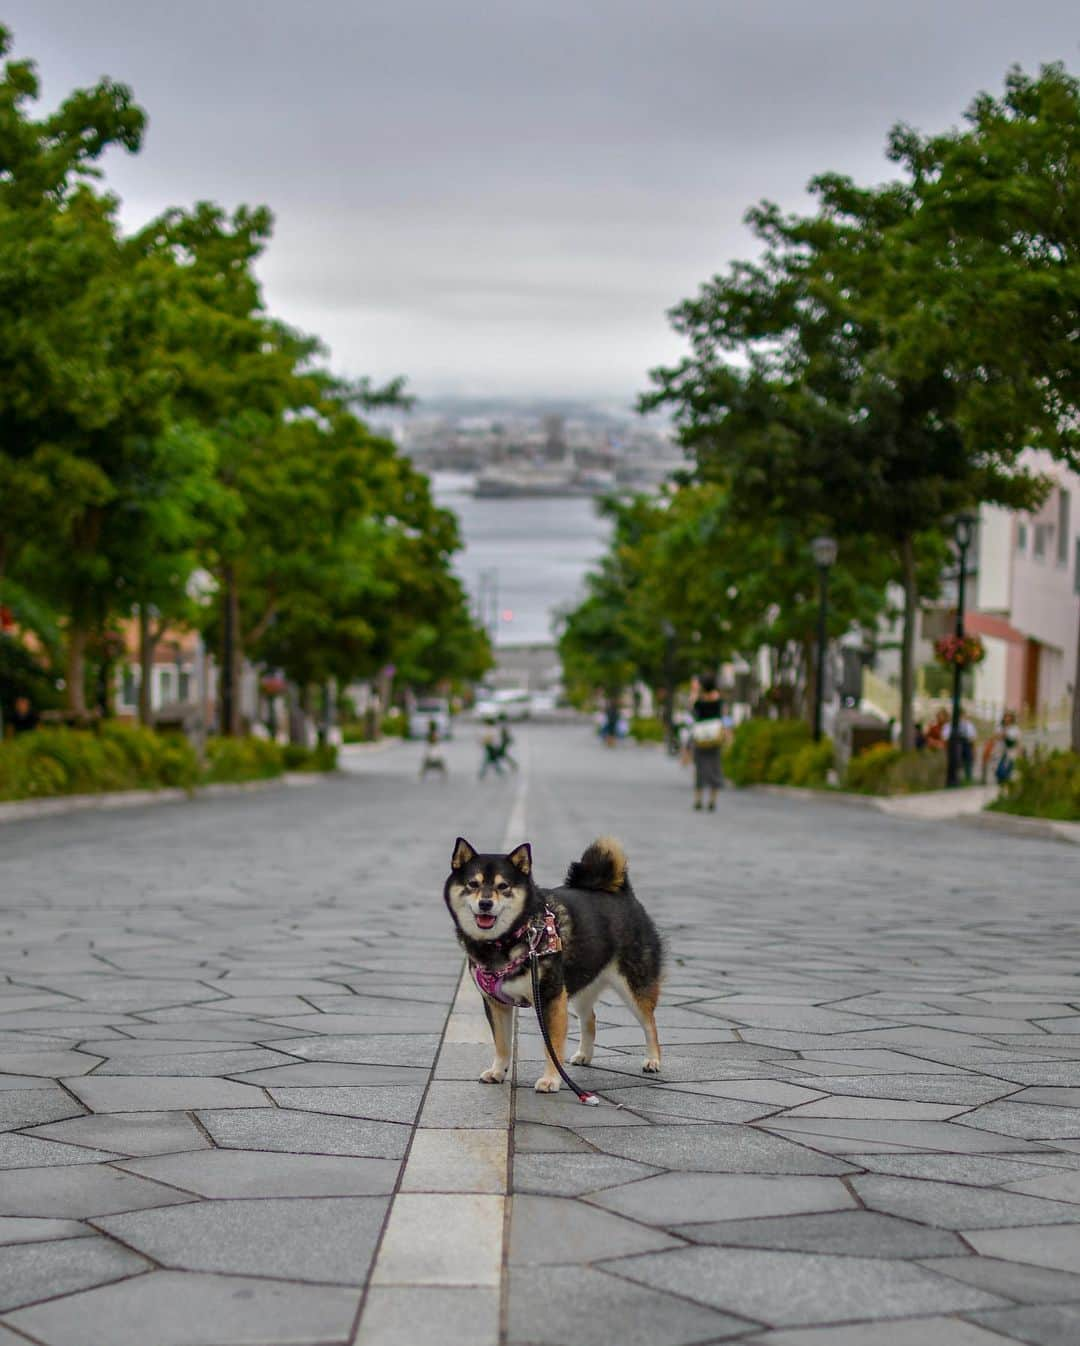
(524, 451)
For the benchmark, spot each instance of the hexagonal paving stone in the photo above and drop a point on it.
(713, 1149)
(129, 1133)
(854, 1233)
(80, 1190)
(305, 1133)
(34, 1271)
(954, 1206)
(587, 1302)
(548, 1231)
(187, 1309)
(817, 1289)
(300, 1239)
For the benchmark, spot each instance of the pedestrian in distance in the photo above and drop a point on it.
(936, 734)
(1003, 748)
(433, 759)
(609, 730)
(967, 744)
(24, 717)
(489, 745)
(506, 738)
(708, 733)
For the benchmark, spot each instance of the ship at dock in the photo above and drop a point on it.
(521, 481)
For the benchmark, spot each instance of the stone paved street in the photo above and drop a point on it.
(220, 1023)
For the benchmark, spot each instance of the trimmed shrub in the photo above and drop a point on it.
(647, 729)
(763, 750)
(883, 769)
(298, 758)
(867, 771)
(158, 759)
(354, 731)
(115, 756)
(396, 724)
(1044, 785)
(242, 759)
(810, 765)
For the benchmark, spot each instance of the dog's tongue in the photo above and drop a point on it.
(485, 922)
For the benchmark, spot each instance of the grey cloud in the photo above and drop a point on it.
(515, 191)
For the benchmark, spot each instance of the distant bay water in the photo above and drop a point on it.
(525, 557)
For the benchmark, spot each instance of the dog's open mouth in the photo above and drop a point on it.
(485, 919)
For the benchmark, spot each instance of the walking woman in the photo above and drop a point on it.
(708, 733)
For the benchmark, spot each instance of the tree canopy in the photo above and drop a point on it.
(156, 421)
(834, 383)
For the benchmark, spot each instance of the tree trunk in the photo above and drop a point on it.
(301, 717)
(146, 666)
(1075, 737)
(232, 657)
(76, 667)
(907, 645)
(808, 680)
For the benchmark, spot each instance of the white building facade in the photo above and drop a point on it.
(1026, 602)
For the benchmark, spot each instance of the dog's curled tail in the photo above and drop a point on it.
(602, 867)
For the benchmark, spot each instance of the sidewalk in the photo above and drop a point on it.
(237, 1076)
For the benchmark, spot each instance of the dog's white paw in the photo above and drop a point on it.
(581, 1059)
(651, 1065)
(545, 1086)
(493, 1075)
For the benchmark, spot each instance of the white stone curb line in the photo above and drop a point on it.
(21, 809)
(438, 1273)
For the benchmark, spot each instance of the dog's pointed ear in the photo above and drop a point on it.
(463, 853)
(522, 858)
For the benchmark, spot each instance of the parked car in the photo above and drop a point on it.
(425, 710)
(511, 702)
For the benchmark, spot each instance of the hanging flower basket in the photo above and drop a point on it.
(959, 651)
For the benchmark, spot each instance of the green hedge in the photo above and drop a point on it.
(298, 758)
(886, 770)
(777, 752)
(647, 729)
(242, 759)
(395, 724)
(118, 756)
(1044, 785)
(79, 761)
(809, 765)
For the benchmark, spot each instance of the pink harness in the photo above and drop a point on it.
(542, 939)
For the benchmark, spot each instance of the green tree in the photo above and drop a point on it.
(81, 392)
(364, 579)
(797, 399)
(985, 283)
(688, 582)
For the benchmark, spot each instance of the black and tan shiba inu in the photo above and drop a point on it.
(592, 934)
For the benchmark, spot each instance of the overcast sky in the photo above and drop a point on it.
(504, 196)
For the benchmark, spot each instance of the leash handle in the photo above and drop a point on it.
(584, 1096)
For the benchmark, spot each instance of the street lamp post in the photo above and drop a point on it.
(963, 532)
(824, 553)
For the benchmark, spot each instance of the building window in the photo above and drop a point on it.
(185, 686)
(1042, 532)
(129, 690)
(1063, 528)
(1021, 536)
(165, 686)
